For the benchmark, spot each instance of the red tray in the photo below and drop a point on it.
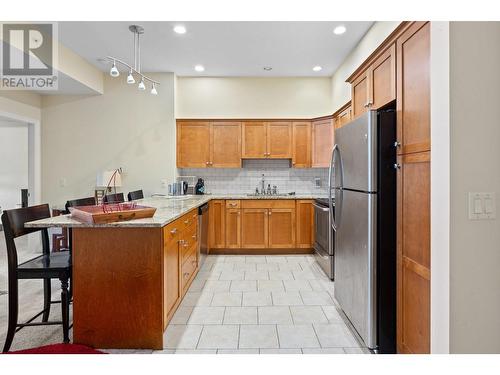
(111, 213)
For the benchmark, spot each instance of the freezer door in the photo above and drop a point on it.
(355, 263)
(357, 145)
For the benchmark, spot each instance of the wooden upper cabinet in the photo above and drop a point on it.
(375, 86)
(343, 115)
(383, 79)
(225, 144)
(322, 142)
(360, 94)
(254, 140)
(254, 228)
(413, 253)
(193, 144)
(217, 224)
(279, 140)
(305, 223)
(281, 228)
(413, 89)
(301, 144)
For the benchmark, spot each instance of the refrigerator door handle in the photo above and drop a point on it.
(330, 187)
(339, 204)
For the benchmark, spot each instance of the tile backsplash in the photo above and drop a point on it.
(276, 172)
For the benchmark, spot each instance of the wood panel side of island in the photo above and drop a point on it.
(118, 287)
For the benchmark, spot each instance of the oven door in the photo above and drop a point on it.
(322, 238)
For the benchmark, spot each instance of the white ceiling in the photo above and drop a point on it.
(224, 48)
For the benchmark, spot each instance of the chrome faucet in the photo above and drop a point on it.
(263, 185)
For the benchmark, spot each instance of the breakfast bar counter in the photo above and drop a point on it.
(129, 277)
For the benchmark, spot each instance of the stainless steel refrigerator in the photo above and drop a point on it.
(364, 187)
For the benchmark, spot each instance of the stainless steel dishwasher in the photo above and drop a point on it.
(203, 233)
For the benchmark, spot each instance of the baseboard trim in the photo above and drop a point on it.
(293, 251)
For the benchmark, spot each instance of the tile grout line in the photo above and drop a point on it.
(317, 337)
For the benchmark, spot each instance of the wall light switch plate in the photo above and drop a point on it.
(62, 182)
(317, 182)
(482, 206)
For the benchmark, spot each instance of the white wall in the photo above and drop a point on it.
(83, 135)
(475, 156)
(14, 162)
(252, 97)
(341, 91)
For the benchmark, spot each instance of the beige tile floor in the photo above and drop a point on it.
(236, 304)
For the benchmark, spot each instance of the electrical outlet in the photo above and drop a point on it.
(317, 182)
(164, 184)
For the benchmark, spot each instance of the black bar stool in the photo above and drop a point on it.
(133, 195)
(114, 198)
(45, 267)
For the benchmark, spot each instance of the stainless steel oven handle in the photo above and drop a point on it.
(321, 208)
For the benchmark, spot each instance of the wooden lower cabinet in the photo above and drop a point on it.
(180, 261)
(233, 228)
(217, 224)
(281, 228)
(305, 224)
(254, 228)
(413, 253)
(171, 288)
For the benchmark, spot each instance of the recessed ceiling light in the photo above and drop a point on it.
(317, 68)
(267, 68)
(199, 68)
(339, 30)
(179, 29)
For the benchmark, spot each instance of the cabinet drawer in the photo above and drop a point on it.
(188, 239)
(191, 218)
(172, 231)
(188, 268)
(232, 204)
(268, 203)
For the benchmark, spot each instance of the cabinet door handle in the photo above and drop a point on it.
(207, 163)
(194, 236)
(269, 213)
(397, 166)
(173, 231)
(397, 144)
(186, 221)
(186, 275)
(186, 244)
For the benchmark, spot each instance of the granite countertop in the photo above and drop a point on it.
(168, 209)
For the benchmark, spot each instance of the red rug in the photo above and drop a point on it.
(59, 349)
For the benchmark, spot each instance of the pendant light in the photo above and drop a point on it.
(137, 31)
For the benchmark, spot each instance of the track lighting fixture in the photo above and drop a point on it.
(136, 69)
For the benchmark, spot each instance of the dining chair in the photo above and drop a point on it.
(44, 267)
(114, 198)
(133, 195)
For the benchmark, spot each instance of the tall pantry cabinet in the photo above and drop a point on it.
(413, 148)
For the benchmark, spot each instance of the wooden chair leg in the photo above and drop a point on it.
(13, 311)
(46, 299)
(65, 309)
